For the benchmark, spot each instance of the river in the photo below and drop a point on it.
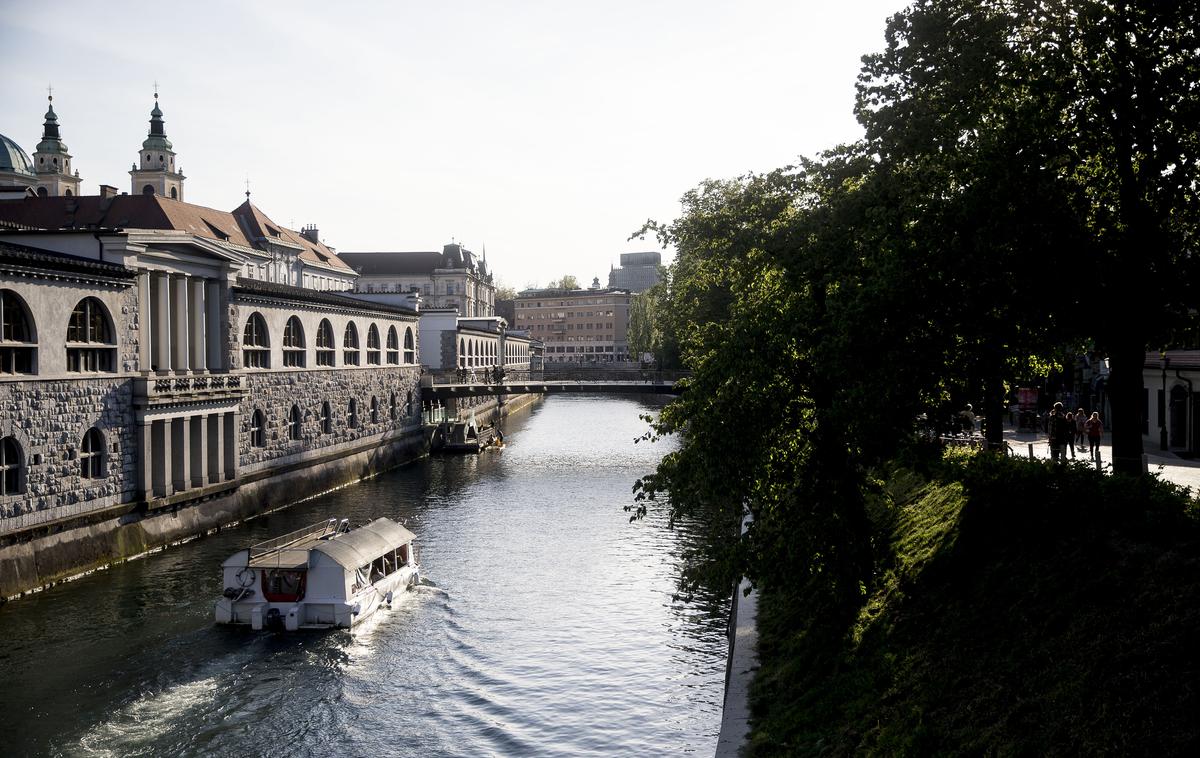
(548, 627)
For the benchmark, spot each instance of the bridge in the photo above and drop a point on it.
(449, 385)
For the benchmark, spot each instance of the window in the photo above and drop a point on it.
(350, 345)
(373, 346)
(90, 343)
(374, 410)
(326, 418)
(325, 349)
(462, 353)
(256, 343)
(410, 351)
(17, 342)
(12, 468)
(352, 414)
(393, 410)
(293, 343)
(393, 346)
(294, 423)
(408, 404)
(258, 429)
(91, 454)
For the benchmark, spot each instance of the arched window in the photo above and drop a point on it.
(325, 344)
(258, 429)
(91, 454)
(293, 343)
(352, 414)
(462, 353)
(350, 345)
(17, 340)
(326, 418)
(294, 423)
(408, 404)
(43, 192)
(256, 343)
(410, 350)
(149, 188)
(372, 345)
(12, 467)
(393, 346)
(90, 343)
(174, 194)
(393, 409)
(374, 410)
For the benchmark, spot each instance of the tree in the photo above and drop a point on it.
(505, 292)
(1081, 113)
(568, 282)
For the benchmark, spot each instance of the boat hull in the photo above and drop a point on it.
(317, 612)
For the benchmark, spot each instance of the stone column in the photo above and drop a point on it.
(162, 321)
(232, 422)
(182, 459)
(215, 331)
(216, 448)
(198, 346)
(162, 458)
(145, 308)
(179, 322)
(199, 450)
(146, 459)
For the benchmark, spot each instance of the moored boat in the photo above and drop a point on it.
(323, 576)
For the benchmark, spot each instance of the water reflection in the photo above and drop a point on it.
(550, 631)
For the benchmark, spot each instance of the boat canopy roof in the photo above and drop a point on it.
(366, 543)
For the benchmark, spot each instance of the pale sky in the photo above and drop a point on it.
(547, 131)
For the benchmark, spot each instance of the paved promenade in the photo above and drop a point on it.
(1169, 466)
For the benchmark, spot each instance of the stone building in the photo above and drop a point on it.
(167, 368)
(583, 326)
(455, 278)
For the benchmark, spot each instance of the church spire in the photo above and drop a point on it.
(51, 161)
(157, 137)
(155, 173)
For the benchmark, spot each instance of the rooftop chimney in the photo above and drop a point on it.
(107, 190)
(310, 233)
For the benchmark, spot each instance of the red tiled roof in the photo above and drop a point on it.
(241, 227)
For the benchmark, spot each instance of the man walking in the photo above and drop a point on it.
(1060, 432)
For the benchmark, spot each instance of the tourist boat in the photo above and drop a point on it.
(324, 576)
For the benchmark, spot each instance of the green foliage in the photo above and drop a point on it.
(1016, 608)
(568, 282)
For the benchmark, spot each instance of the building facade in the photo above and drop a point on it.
(583, 326)
(455, 278)
(637, 273)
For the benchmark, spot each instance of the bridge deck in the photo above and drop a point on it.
(444, 391)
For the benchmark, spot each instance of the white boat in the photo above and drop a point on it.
(327, 575)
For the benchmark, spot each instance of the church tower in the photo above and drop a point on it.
(155, 173)
(52, 162)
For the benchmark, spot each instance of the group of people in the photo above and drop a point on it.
(1067, 429)
(493, 375)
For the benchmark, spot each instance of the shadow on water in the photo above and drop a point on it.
(547, 628)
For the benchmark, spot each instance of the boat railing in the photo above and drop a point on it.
(313, 532)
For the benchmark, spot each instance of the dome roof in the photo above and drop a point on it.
(13, 158)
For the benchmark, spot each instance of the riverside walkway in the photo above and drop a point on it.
(1167, 465)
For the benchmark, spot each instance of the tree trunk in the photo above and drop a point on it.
(993, 404)
(1125, 392)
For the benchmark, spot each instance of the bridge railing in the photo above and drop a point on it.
(610, 373)
(479, 376)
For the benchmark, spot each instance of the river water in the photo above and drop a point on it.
(549, 628)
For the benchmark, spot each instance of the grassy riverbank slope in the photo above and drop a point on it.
(1016, 610)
